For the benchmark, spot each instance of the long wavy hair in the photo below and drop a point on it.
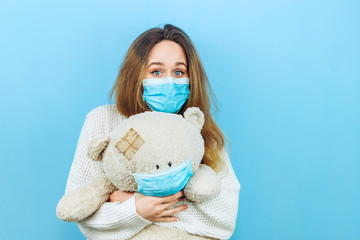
(128, 87)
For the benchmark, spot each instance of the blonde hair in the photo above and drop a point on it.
(128, 87)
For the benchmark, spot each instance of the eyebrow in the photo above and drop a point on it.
(162, 64)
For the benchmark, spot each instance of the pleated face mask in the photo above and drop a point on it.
(166, 94)
(164, 183)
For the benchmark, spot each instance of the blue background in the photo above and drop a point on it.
(286, 74)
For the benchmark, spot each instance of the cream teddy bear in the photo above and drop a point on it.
(146, 143)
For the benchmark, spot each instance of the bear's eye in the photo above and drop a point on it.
(169, 164)
(157, 167)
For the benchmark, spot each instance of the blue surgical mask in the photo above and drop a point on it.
(164, 183)
(166, 94)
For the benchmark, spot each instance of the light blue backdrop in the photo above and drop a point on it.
(286, 74)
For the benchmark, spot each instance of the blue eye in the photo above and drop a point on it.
(156, 73)
(177, 73)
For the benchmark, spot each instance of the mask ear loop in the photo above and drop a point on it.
(148, 106)
(141, 90)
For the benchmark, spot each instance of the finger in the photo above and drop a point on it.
(171, 198)
(167, 219)
(170, 204)
(171, 212)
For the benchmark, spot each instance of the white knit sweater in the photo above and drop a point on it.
(215, 218)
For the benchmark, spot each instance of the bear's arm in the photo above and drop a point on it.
(85, 200)
(119, 221)
(203, 185)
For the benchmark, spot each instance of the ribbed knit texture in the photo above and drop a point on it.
(215, 218)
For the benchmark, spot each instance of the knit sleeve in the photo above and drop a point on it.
(114, 220)
(111, 219)
(217, 217)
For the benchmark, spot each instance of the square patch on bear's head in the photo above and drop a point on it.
(130, 144)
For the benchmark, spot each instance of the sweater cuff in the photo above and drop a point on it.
(134, 217)
(115, 215)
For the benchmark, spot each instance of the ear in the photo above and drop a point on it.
(97, 147)
(195, 116)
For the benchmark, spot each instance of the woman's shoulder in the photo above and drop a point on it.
(103, 110)
(106, 113)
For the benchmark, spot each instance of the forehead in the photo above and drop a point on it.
(167, 52)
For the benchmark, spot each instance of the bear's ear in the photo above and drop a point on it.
(195, 116)
(97, 147)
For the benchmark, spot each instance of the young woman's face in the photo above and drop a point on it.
(166, 59)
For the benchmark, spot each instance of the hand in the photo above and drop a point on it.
(155, 209)
(120, 196)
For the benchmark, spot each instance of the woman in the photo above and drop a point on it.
(167, 55)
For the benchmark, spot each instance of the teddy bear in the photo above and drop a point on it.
(147, 143)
